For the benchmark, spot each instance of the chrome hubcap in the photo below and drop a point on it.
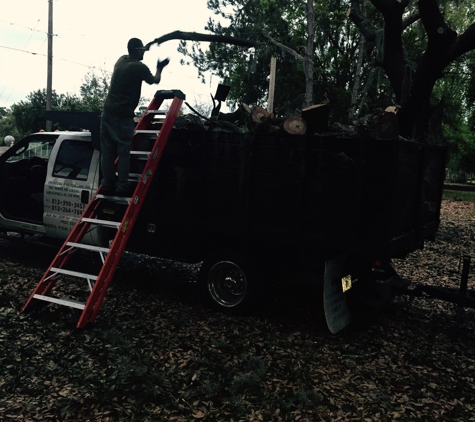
(227, 283)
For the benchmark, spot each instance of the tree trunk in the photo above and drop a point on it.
(415, 113)
(308, 62)
(413, 89)
(358, 72)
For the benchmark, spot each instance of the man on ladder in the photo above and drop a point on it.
(117, 124)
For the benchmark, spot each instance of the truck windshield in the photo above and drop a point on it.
(41, 149)
(73, 160)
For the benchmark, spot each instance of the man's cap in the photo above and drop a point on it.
(134, 44)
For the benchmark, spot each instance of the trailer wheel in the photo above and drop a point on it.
(230, 283)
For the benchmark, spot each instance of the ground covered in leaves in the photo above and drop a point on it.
(156, 354)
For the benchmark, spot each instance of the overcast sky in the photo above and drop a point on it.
(94, 34)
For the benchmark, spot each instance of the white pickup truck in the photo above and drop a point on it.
(46, 181)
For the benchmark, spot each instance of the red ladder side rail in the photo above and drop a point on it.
(102, 283)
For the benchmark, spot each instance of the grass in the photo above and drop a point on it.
(457, 195)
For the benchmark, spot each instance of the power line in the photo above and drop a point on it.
(26, 45)
(31, 35)
(27, 27)
(44, 55)
(23, 51)
(57, 59)
(72, 62)
(64, 60)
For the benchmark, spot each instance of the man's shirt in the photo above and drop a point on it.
(125, 87)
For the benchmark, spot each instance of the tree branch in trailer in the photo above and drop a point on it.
(195, 36)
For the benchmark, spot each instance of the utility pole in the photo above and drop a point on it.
(49, 82)
(270, 105)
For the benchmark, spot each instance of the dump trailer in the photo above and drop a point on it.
(296, 199)
(261, 209)
(256, 209)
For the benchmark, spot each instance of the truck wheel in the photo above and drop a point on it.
(230, 283)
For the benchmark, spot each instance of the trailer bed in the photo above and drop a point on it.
(315, 196)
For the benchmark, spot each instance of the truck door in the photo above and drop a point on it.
(23, 170)
(73, 177)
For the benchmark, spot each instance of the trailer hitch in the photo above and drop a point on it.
(461, 296)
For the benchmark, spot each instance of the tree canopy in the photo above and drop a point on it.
(365, 54)
(27, 116)
(279, 30)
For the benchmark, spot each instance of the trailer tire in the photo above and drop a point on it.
(231, 283)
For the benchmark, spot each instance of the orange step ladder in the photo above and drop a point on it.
(98, 284)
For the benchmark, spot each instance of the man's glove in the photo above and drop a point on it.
(162, 64)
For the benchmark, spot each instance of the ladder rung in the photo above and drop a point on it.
(147, 132)
(145, 153)
(115, 224)
(116, 199)
(65, 302)
(73, 273)
(160, 112)
(133, 177)
(88, 247)
(139, 155)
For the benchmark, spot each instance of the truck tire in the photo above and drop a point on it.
(231, 283)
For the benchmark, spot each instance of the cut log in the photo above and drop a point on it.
(248, 109)
(316, 117)
(259, 114)
(236, 117)
(295, 125)
(392, 109)
(387, 127)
